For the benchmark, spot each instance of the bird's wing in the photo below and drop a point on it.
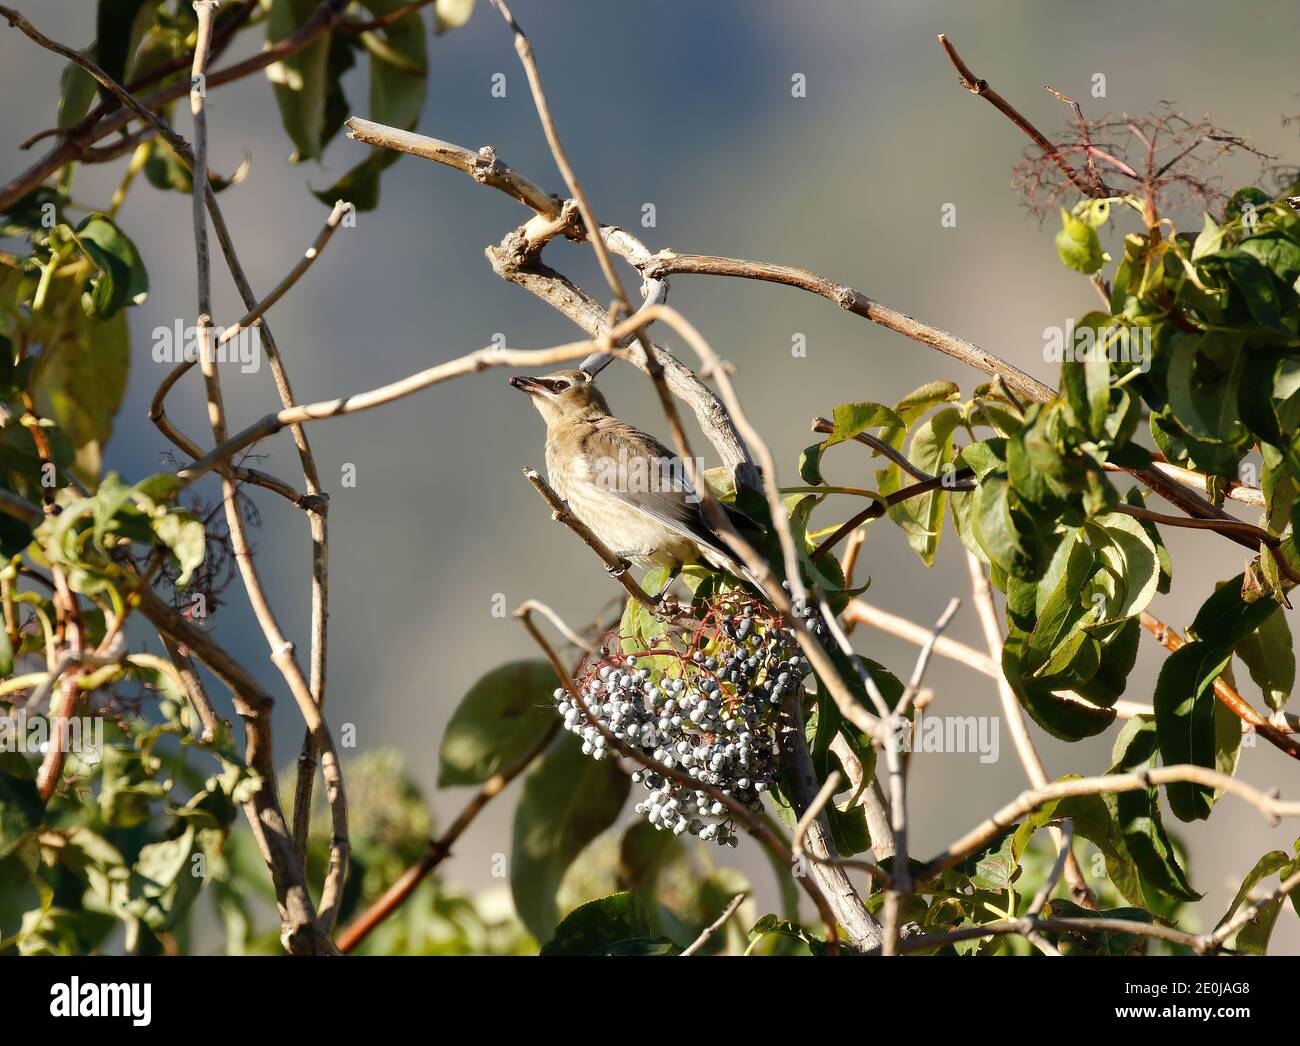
(611, 444)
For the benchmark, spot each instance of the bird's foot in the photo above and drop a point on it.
(625, 558)
(667, 606)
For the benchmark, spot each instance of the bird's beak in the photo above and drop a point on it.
(527, 384)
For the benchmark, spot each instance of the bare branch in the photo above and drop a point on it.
(714, 926)
(666, 263)
(1090, 184)
(617, 568)
(1269, 805)
(860, 612)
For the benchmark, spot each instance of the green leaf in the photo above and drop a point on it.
(921, 400)
(772, 925)
(504, 714)
(852, 418)
(1204, 373)
(1269, 656)
(613, 925)
(1117, 657)
(1277, 252)
(1093, 942)
(642, 854)
(77, 89)
(1064, 607)
(992, 525)
(399, 68)
(1137, 813)
(1208, 240)
(161, 886)
(123, 279)
(119, 26)
(1066, 719)
(183, 534)
(21, 808)
(568, 800)
(1272, 862)
(1078, 246)
(1225, 619)
(300, 82)
(1184, 705)
(931, 450)
(1254, 284)
(1130, 565)
(129, 786)
(81, 376)
(451, 14)
(998, 867)
(360, 185)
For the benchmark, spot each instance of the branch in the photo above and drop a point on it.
(484, 166)
(827, 427)
(525, 51)
(439, 849)
(714, 926)
(666, 263)
(1230, 527)
(806, 822)
(616, 567)
(1029, 927)
(281, 649)
(1089, 184)
(301, 932)
(860, 612)
(80, 139)
(1200, 482)
(1269, 805)
(1225, 692)
(471, 363)
(1215, 940)
(516, 260)
(958, 480)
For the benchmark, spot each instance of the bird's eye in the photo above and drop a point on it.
(559, 386)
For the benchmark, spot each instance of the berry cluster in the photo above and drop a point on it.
(705, 700)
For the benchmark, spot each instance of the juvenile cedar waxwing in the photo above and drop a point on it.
(626, 486)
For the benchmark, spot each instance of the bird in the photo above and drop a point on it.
(625, 485)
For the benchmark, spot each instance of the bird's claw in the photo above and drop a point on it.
(667, 606)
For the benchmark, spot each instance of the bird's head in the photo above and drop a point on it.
(566, 395)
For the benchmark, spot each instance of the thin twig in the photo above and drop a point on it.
(616, 568)
(1090, 186)
(281, 649)
(1226, 692)
(715, 926)
(806, 822)
(1269, 805)
(440, 849)
(860, 612)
